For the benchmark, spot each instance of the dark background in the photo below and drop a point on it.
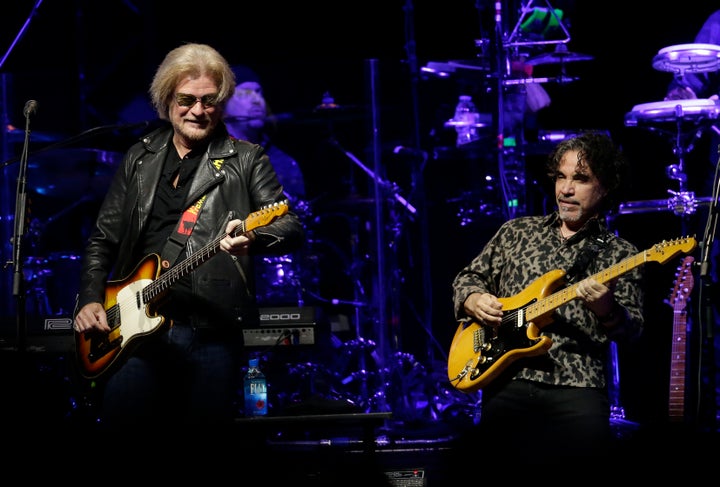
(89, 64)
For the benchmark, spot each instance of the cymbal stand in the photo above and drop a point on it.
(676, 171)
(391, 188)
(382, 189)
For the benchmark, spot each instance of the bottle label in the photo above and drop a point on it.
(257, 388)
(256, 398)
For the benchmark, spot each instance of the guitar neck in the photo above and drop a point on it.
(255, 220)
(182, 269)
(676, 405)
(567, 294)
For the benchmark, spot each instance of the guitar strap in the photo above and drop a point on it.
(176, 242)
(585, 257)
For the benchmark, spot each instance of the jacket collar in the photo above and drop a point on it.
(221, 146)
(207, 176)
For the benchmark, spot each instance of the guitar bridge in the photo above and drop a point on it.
(479, 343)
(104, 347)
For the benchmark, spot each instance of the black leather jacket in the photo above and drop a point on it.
(223, 286)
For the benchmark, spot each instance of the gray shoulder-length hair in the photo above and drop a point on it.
(192, 60)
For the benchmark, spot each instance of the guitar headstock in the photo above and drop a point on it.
(667, 249)
(262, 217)
(684, 283)
(266, 215)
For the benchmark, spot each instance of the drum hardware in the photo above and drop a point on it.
(36, 277)
(561, 79)
(73, 173)
(16, 135)
(561, 56)
(681, 112)
(445, 69)
(472, 207)
(529, 19)
(391, 188)
(688, 58)
(673, 111)
(51, 283)
(681, 203)
(678, 59)
(485, 120)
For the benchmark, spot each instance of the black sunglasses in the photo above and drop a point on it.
(186, 100)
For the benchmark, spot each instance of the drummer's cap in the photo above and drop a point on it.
(244, 74)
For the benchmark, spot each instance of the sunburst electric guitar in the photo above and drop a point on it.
(678, 300)
(129, 302)
(479, 353)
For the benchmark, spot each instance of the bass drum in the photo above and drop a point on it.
(278, 280)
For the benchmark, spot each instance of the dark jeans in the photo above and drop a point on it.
(182, 376)
(539, 420)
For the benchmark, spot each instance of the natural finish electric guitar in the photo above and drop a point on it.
(479, 353)
(129, 302)
(678, 300)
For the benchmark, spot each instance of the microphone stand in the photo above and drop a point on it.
(18, 235)
(705, 263)
(3, 201)
(706, 291)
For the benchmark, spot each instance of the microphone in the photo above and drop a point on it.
(30, 108)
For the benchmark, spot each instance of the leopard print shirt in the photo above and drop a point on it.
(522, 251)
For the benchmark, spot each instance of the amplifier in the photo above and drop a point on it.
(283, 326)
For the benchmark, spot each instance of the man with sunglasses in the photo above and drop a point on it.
(186, 192)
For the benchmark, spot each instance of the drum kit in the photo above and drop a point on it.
(535, 53)
(63, 183)
(684, 120)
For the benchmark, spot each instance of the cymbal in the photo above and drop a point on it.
(72, 173)
(559, 56)
(443, 69)
(14, 135)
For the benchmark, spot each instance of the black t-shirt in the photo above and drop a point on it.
(169, 200)
(169, 204)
